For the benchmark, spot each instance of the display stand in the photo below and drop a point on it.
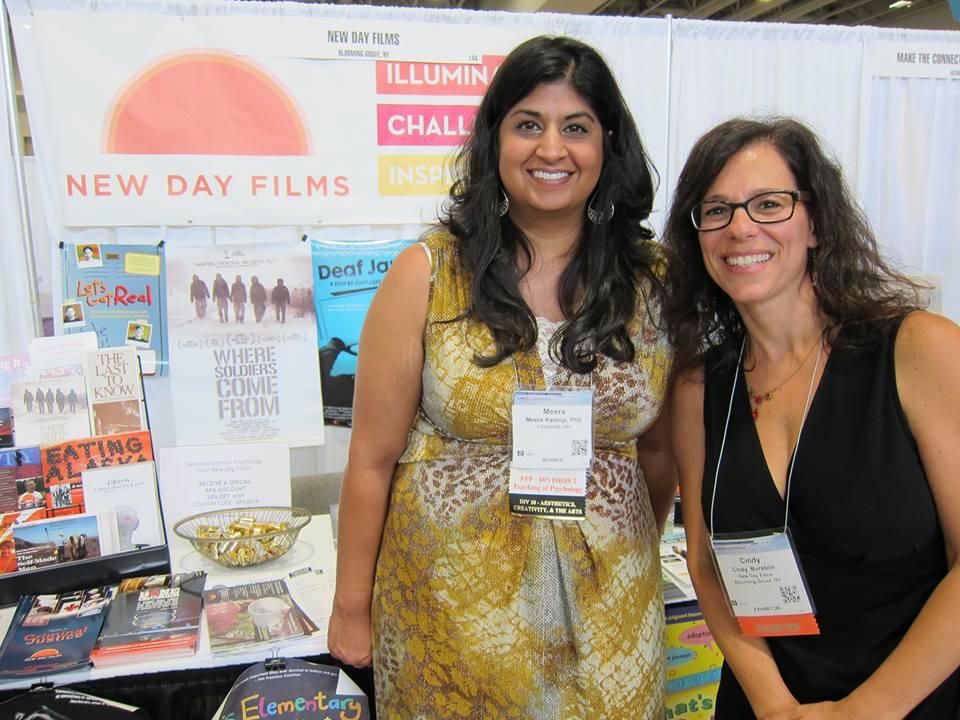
(90, 572)
(193, 687)
(106, 570)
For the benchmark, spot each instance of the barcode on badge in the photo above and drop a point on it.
(579, 448)
(790, 594)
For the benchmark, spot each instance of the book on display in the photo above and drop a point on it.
(152, 618)
(53, 633)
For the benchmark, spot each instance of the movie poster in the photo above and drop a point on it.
(112, 290)
(346, 274)
(243, 344)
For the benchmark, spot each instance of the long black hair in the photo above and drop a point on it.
(615, 262)
(855, 287)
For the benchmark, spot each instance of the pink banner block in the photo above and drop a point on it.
(424, 125)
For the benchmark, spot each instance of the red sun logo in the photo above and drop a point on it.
(45, 654)
(204, 103)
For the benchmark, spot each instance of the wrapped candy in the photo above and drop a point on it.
(246, 541)
(244, 536)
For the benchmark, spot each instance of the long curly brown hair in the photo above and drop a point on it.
(855, 286)
(615, 264)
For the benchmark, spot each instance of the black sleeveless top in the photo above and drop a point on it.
(861, 514)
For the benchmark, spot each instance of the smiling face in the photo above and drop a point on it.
(551, 154)
(750, 261)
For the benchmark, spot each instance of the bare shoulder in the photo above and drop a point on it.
(926, 350)
(411, 267)
(927, 346)
(399, 308)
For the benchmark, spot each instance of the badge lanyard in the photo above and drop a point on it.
(551, 448)
(760, 571)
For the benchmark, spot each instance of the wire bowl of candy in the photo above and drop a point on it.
(241, 537)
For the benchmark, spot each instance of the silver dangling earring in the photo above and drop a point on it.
(814, 280)
(600, 217)
(504, 205)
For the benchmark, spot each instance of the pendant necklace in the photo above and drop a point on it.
(758, 398)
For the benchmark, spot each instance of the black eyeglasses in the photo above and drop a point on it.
(767, 207)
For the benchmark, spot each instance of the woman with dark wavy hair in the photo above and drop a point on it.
(542, 276)
(815, 422)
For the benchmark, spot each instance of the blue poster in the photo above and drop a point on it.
(345, 277)
(118, 292)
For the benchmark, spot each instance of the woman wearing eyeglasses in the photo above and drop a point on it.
(816, 424)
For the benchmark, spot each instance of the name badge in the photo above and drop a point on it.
(553, 429)
(552, 453)
(764, 584)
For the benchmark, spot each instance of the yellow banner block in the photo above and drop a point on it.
(414, 174)
(141, 264)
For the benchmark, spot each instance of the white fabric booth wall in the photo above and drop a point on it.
(895, 137)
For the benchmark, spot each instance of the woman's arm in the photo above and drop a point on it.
(929, 387)
(384, 406)
(656, 461)
(748, 657)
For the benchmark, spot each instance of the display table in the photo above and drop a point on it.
(193, 687)
(187, 687)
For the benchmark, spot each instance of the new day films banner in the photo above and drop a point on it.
(312, 117)
(243, 364)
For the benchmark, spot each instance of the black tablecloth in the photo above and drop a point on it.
(187, 694)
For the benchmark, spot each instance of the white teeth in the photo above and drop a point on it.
(746, 260)
(543, 175)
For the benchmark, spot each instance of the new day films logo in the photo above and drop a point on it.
(204, 103)
(214, 103)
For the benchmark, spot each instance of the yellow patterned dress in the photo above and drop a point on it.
(481, 614)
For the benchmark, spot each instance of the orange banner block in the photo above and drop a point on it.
(779, 625)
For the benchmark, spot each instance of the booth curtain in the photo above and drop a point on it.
(720, 70)
(896, 138)
(911, 178)
(16, 322)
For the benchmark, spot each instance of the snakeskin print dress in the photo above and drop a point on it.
(481, 614)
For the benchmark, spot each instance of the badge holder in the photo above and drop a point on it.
(759, 571)
(763, 583)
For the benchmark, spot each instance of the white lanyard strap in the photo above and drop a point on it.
(796, 448)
